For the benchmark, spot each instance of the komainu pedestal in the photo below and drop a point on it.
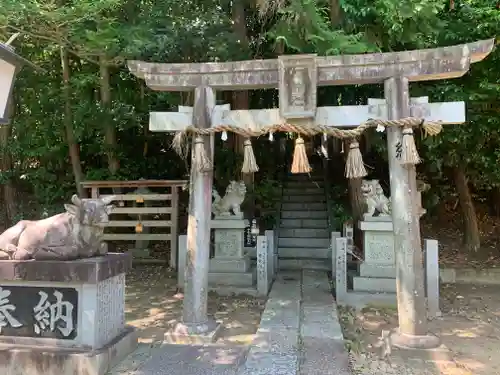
(377, 272)
(64, 317)
(230, 266)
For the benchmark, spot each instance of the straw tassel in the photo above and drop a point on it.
(249, 162)
(200, 160)
(409, 153)
(354, 166)
(300, 162)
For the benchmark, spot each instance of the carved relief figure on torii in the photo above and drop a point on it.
(297, 78)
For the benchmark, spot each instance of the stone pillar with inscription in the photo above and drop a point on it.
(64, 317)
(230, 266)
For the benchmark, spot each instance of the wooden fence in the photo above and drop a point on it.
(165, 211)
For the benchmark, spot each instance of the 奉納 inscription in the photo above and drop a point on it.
(38, 312)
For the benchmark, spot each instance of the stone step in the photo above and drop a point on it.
(374, 284)
(304, 176)
(304, 223)
(304, 191)
(306, 263)
(301, 184)
(297, 252)
(244, 279)
(303, 242)
(304, 233)
(304, 198)
(314, 206)
(304, 214)
(377, 270)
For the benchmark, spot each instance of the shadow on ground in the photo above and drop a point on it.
(154, 306)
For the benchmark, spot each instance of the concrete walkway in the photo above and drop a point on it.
(299, 334)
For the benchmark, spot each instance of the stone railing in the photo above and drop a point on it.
(333, 248)
(431, 264)
(266, 269)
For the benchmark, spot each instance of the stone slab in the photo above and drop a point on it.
(36, 360)
(304, 223)
(194, 360)
(90, 270)
(319, 316)
(324, 357)
(306, 263)
(281, 315)
(310, 233)
(284, 341)
(79, 315)
(376, 226)
(246, 279)
(228, 243)
(286, 287)
(304, 206)
(304, 214)
(324, 330)
(304, 242)
(372, 284)
(218, 265)
(379, 248)
(228, 223)
(270, 364)
(232, 290)
(303, 191)
(377, 270)
(309, 253)
(304, 198)
(178, 336)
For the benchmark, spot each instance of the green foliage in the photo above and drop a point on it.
(111, 31)
(267, 194)
(338, 207)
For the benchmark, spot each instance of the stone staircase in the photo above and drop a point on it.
(303, 237)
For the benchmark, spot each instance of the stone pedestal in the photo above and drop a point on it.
(377, 273)
(230, 266)
(64, 317)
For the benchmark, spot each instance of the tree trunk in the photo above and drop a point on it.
(472, 238)
(356, 199)
(335, 12)
(241, 99)
(74, 152)
(9, 189)
(110, 133)
(495, 198)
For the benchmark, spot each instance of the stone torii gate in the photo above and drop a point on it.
(297, 78)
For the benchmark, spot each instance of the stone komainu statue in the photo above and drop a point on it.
(376, 201)
(231, 202)
(76, 233)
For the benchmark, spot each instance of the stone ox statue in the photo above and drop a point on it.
(76, 233)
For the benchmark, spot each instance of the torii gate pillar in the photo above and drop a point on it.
(412, 312)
